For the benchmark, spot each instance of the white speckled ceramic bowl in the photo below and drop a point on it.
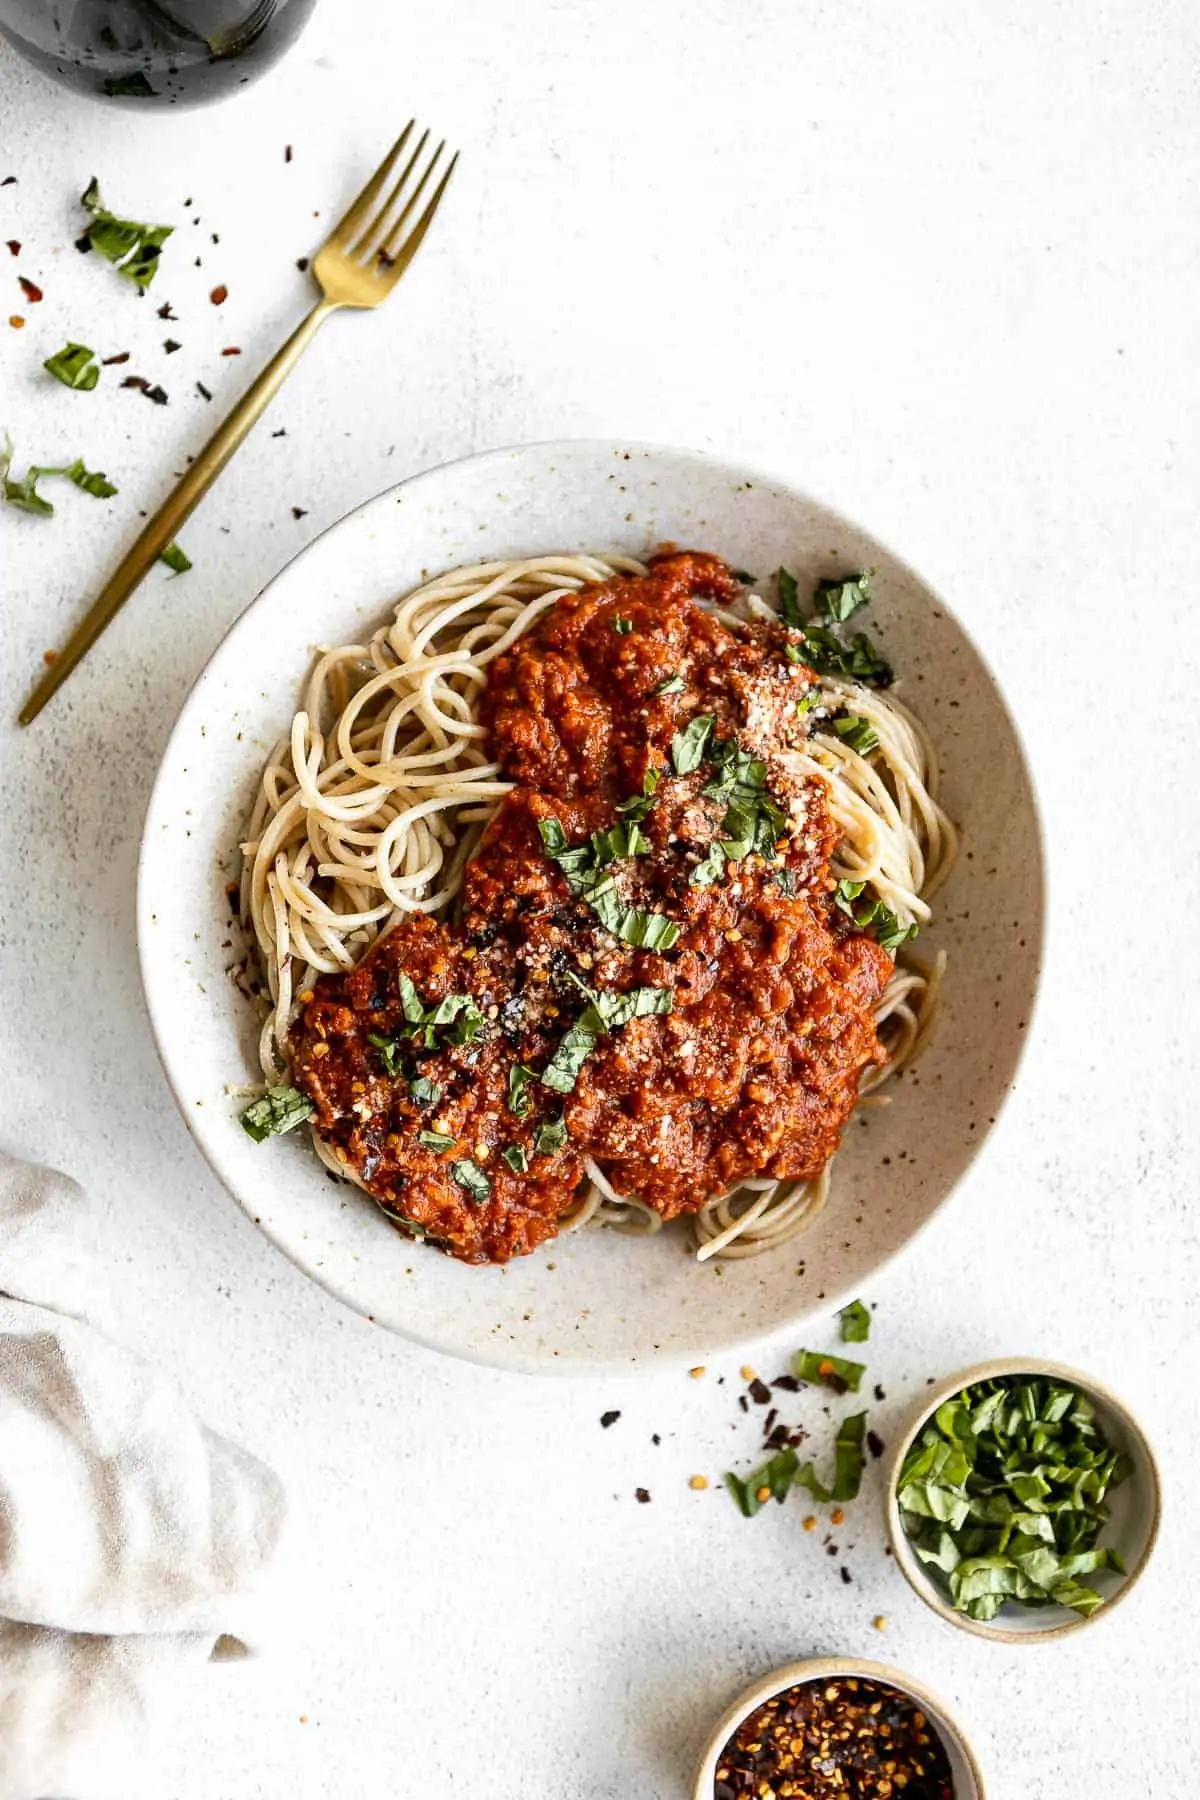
(968, 1777)
(1132, 1527)
(596, 1300)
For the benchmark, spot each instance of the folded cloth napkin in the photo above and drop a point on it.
(130, 1535)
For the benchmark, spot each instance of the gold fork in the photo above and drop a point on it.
(360, 263)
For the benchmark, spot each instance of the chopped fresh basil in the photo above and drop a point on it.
(470, 1176)
(673, 684)
(133, 249)
(637, 809)
(424, 1091)
(584, 869)
(519, 1098)
(848, 1463)
(753, 822)
(75, 366)
(825, 652)
(1004, 1492)
(775, 1478)
(606, 1011)
(873, 916)
(810, 701)
(456, 1011)
(787, 883)
(514, 1155)
(831, 1371)
(279, 1110)
(410, 1001)
(24, 494)
(688, 745)
(856, 733)
(176, 559)
(839, 600)
(788, 589)
(389, 1052)
(618, 842)
(855, 1322)
(551, 1137)
(622, 627)
(710, 868)
(435, 1140)
(793, 653)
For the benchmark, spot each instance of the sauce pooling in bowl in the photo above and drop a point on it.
(840, 1739)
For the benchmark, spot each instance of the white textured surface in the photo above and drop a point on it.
(938, 265)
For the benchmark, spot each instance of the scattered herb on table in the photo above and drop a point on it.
(75, 366)
(835, 1372)
(784, 1471)
(132, 248)
(279, 1110)
(176, 559)
(24, 494)
(855, 1322)
(1004, 1494)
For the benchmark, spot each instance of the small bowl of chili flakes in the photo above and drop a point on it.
(835, 1729)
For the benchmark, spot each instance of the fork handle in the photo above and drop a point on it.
(176, 509)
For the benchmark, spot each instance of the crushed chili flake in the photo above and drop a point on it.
(609, 1418)
(50, 656)
(287, 153)
(171, 345)
(299, 512)
(16, 321)
(136, 381)
(14, 245)
(787, 1384)
(157, 394)
(760, 1393)
(219, 295)
(879, 1393)
(282, 432)
(122, 356)
(643, 1495)
(203, 391)
(233, 350)
(8, 181)
(302, 263)
(30, 289)
(83, 244)
(165, 312)
(836, 1740)
(875, 1444)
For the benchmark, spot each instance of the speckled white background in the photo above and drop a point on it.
(940, 265)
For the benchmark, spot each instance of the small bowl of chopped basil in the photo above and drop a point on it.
(1023, 1502)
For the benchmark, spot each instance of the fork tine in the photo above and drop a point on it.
(360, 208)
(400, 255)
(395, 236)
(379, 214)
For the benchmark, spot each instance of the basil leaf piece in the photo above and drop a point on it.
(774, 1479)
(132, 248)
(514, 1155)
(389, 1053)
(574, 1048)
(622, 627)
(606, 1011)
(584, 869)
(709, 869)
(176, 559)
(423, 1091)
(435, 1140)
(551, 1137)
(834, 1372)
(280, 1109)
(638, 808)
(519, 1098)
(471, 1177)
(24, 494)
(75, 366)
(688, 745)
(788, 589)
(794, 654)
(673, 684)
(856, 733)
(855, 1323)
(411, 1002)
(873, 916)
(787, 882)
(839, 600)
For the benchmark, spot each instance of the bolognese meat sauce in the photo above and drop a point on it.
(647, 972)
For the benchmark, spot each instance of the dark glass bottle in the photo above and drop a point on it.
(151, 54)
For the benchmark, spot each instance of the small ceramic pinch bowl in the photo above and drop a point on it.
(964, 1768)
(1132, 1526)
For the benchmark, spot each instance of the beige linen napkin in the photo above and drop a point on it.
(131, 1536)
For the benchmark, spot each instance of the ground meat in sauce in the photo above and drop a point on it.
(756, 1069)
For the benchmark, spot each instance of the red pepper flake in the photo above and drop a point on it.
(287, 153)
(30, 289)
(760, 1393)
(164, 311)
(16, 321)
(170, 345)
(282, 432)
(642, 1495)
(609, 1418)
(14, 245)
(829, 1739)
(49, 656)
(219, 295)
(83, 244)
(122, 356)
(299, 512)
(157, 394)
(875, 1444)
(302, 263)
(231, 351)
(137, 381)
(203, 391)
(8, 181)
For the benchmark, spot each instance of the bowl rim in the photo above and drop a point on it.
(822, 1668)
(991, 1369)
